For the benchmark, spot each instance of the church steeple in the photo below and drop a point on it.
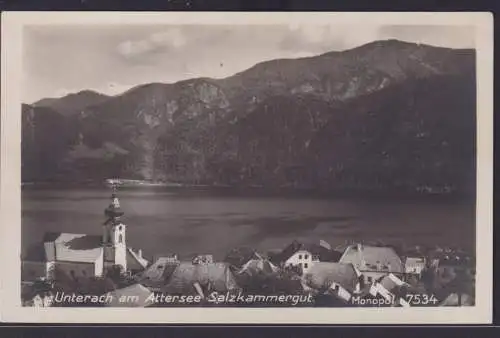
(113, 214)
(114, 233)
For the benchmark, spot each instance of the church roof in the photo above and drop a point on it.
(78, 248)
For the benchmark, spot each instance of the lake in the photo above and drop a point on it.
(187, 222)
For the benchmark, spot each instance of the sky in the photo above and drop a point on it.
(58, 60)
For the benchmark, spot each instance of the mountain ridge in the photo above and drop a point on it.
(265, 125)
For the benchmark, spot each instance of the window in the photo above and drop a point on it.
(300, 264)
(305, 265)
(300, 256)
(120, 238)
(306, 256)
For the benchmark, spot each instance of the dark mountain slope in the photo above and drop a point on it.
(73, 103)
(386, 115)
(348, 74)
(416, 134)
(46, 139)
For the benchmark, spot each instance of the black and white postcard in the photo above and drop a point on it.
(247, 168)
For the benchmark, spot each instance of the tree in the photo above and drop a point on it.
(116, 273)
(239, 256)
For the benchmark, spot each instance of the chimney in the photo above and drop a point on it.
(139, 253)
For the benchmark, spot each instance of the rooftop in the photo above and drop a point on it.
(186, 274)
(323, 274)
(373, 258)
(59, 246)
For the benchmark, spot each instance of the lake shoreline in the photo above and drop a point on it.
(261, 191)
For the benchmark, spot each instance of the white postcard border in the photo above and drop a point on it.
(10, 176)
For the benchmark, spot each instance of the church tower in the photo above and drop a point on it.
(114, 231)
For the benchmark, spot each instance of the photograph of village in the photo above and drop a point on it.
(248, 166)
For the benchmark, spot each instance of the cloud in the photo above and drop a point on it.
(313, 39)
(449, 36)
(325, 38)
(113, 88)
(64, 91)
(170, 39)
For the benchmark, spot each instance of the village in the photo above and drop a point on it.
(102, 271)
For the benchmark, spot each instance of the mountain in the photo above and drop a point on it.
(386, 115)
(72, 103)
(47, 136)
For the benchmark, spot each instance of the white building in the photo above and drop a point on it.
(203, 259)
(387, 288)
(415, 265)
(373, 262)
(82, 255)
(303, 259)
(43, 300)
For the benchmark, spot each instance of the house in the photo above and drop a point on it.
(257, 266)
(38, 294)
(303, 259)
(134, 295)
(304, 255)
(84, 255)
(157, 275)
(238, 257)
(203, 259)
(415, 265)
(391, 288)
(168, 258)
(373, 262)
(43, 300)
(341, 280)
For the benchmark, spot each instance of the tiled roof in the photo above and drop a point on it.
(72, 247)
(217, 275)
(414, 260)
(131, 255)
(323, 274)
(391, 282)
(256, 266)
(314, 248)
(158, 274)
(373, 256)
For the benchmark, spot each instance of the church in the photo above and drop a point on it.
(83, 255)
